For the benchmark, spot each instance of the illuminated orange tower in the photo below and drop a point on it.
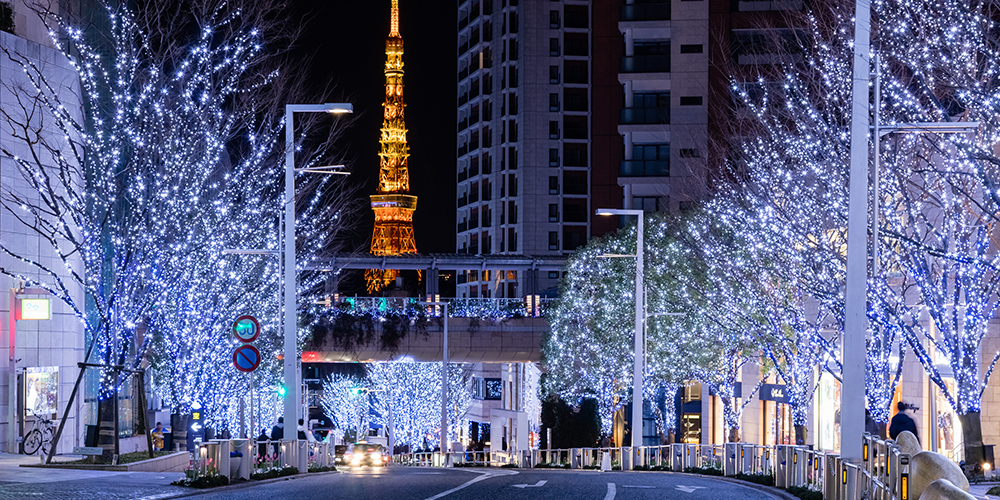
(393, 205)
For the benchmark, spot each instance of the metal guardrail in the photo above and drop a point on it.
(883, 474)
(457, 308)
(241, 458)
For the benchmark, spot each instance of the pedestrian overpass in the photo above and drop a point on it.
(365, 329)
(491, 330)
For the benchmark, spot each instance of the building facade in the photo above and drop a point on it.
(524, 128)
(41, 337)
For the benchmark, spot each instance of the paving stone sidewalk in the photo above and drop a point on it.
(18, 482)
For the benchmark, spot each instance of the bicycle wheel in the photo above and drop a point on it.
(32, 442)
(47, 437)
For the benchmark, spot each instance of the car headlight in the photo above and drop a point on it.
(376, 456)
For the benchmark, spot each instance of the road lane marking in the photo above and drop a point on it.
(611, 492)
(536, 485)
(688, 489)
(484, 475)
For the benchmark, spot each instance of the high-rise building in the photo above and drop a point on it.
(524, 130)
(393, 205)
(566, 106)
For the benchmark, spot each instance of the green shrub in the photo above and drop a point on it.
(994, 491)
(544, 465)
(705, 471)
(805, 493)
(508, 466)
(209, 481)
(763, 479)
(273, 473)
(317, 468)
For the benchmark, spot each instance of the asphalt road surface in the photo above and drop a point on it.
(405, 483)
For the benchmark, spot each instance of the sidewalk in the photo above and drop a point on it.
(18, 482)
(979, 490)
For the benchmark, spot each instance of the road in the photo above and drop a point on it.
(402, 483)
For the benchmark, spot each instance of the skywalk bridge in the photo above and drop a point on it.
(493, 330)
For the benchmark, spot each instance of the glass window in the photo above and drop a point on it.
(651, 151)
(651, 100)
(553, 102)
(651, 47)
(553, 157)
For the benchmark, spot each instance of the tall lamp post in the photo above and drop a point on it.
(638, 356)
(291, 402)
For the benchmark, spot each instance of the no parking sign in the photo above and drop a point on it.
(246, 358)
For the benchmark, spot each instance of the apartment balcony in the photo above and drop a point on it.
(645, 116)
(645, 64)
(645, 12)
(644, 168)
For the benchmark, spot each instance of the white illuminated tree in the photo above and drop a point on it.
(174, 159)
(411, 393)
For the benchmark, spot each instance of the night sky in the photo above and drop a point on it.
(348, 37)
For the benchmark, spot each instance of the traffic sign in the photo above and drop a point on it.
(246, 358)
(246, 328)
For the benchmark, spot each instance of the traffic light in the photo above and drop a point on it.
(281, 390)
(357, 390)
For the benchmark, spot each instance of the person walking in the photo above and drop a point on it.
(902, 422)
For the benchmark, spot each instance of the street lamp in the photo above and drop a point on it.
(445, 442)
(291, 348)
(638, 358)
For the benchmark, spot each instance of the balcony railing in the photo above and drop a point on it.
(645, 12)
(645, 116)
(644, 168)
(645, 64)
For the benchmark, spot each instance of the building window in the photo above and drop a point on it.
(553, 275)
(651, 100)
(691, 100)
(553, 102)
(651, 47)
(646, 203)
(576, 71)
(553, 130)
(576, 44)
(651, 151)
(553, 240)
(689, 153)
(577, 16)
(692, 49)
(553, 212)
(554, 47)
(575, 99)
(553, 74)
(575, 127)
(553, 157)
(575, 155)
(554, 185)
(554, 19)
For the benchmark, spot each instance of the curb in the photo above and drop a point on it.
(246, 484)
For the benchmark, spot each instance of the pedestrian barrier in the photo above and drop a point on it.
(241, 458)
(881, 475)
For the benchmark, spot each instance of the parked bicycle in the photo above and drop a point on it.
(40, 437)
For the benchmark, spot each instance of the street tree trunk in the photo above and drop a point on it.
(972, 436)
(107, 413)
(801, 434)
(734, 435)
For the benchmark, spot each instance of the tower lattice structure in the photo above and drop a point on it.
(393, 205)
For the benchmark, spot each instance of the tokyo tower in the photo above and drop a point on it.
(393, 205)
